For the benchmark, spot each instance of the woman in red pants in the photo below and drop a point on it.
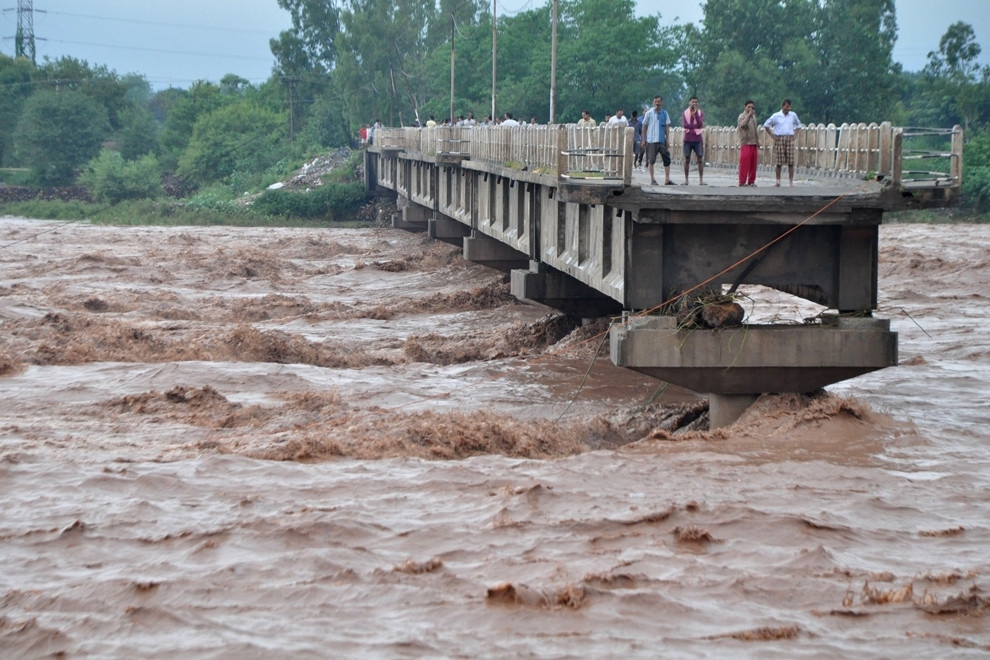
(749, 145)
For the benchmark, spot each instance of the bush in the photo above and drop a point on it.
(44, 209)
(209, 200)
(112, 179)
(327, 201)
(976, 188)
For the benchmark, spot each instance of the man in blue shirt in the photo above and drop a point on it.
(656, 131)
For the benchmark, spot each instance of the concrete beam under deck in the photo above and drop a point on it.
(831, 265)
(488, 252)
(449, 231)
(414, 217)
(551, 288)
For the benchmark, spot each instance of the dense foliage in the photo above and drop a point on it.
(112, 179)
(345, 63)
(58, 132)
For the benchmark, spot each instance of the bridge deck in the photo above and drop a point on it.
(722, 181)
(811, 191)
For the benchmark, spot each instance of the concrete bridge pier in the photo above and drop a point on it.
(725, 409)
(735, 365)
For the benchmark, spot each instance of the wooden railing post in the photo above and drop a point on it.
(627, 156)
(561, 151)
(897, 156)
(883, 167)
(956, 164)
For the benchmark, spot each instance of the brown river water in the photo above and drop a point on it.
(251, 443)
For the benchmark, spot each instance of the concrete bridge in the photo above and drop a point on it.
(581, 231)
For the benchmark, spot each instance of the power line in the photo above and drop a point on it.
(158, 23)
(161, 50)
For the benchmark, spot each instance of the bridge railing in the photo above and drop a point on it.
(528, 147)
(930, 155)
(606, 152)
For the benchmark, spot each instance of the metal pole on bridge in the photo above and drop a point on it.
(553, 63)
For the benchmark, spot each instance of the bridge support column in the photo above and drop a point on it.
(724, 409)
(492, 253)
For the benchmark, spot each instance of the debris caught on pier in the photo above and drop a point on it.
(709, 310)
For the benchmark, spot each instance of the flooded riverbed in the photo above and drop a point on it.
(224, 442)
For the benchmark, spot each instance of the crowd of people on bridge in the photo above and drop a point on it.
(651, 137)
(653, 134)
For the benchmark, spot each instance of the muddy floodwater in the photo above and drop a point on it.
(255, 443)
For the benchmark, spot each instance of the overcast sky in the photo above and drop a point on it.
(176, 42)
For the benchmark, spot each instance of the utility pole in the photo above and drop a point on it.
(494, 57)
(452, 30)
(553, 64)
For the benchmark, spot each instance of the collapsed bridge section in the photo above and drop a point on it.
(580, 230)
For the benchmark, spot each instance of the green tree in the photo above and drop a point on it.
(15, 87)
(609, 58)
(833, 58)
(237, 137)
(315, 24)
(325, 125)
(298, 81)
(138, 135)
(856, 73)
(162, 102)
(200, 99)
(976, 172)
(58, 132)
(97, 82)
(749, 49)
(381, 50)
(956, 85)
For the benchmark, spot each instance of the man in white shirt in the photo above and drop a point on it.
(782, 127)
(509, 121)
(618, 118)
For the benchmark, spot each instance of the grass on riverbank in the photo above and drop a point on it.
(165, 213)
(936, 216)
